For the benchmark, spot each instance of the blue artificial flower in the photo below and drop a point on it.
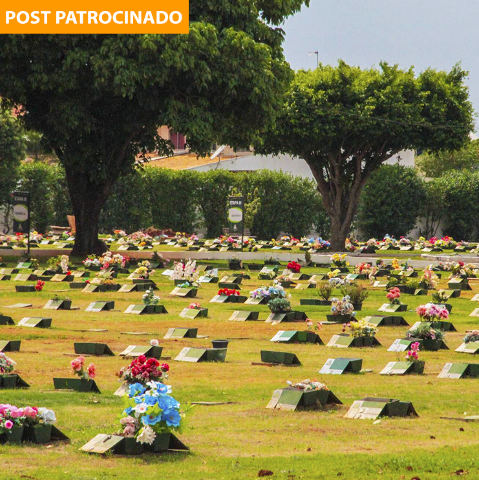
(149, 400)
(163, 389)
(172, 418)
(135, 389)
(128, 411)
(151, 419)
(165, 402)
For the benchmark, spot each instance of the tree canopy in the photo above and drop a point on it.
(436, 164)
(98, 100)
(12, 150)
(345, 122)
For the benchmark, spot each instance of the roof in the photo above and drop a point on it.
(186, 161)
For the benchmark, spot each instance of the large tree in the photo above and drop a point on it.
(99, 99)
(345, 122)
(12, 150)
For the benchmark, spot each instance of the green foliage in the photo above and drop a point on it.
(12, 150)
(213, 190)
(98, 99)
(37, 179)
(325, 290)
(391, 202)
(345, 122)
(458, 193)
(356, 292)
(436, 164)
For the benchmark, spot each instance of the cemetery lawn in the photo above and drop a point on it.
(236, 440)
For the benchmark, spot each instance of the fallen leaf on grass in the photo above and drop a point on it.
(461, 429)
(461, 471)
(265, 473)
(409, 468)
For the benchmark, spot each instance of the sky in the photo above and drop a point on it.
(419, 33)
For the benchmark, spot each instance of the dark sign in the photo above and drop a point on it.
(21, 212)
(236, 215)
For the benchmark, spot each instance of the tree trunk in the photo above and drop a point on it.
(339, 233)
(340, 199)
(87, 199)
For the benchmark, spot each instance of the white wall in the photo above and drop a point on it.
(285, 163)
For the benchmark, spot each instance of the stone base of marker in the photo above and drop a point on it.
(470, 347)
(10, 345)
(12, 381)
(314, 301)
(41, 434)
(143, 309)
(77, 285)
(35, 322)
(148, 351)
(346, 341)
(25, 288)
(77, 384)
(90, 348)
(386, 321)
(243, 316)
(100, 306)
(58, 305)
(296, 399)
(116, 444)
(193, 313)
(184, 292)
(296, 336)
(460, 370)
(202, 355)
(339, 318)
(458, 284)
(391, 308)
(181, 333)
(434, 345)
(4, 320)
(403, 368)
(338, 366)
(372, 408)
(403, 344)
(228, 299)
(279, 358)
(444, 326)
(293, 316)
(14, 435)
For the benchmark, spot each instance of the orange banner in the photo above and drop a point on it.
(55, 16)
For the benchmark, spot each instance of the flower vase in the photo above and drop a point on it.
(41, 433)
(160, 444)
(129, 446)
(15, 435)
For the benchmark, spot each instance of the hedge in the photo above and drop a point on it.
(184, 200)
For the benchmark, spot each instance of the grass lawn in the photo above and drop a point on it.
(238, 439)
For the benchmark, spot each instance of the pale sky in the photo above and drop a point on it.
(422, 33)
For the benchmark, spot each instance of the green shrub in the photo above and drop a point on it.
(391, 202)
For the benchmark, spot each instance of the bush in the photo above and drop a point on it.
(459, 192)
(391, 202)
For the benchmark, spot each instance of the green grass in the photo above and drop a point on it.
(236, 441)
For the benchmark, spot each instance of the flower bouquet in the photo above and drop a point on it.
(185, 272)
(432, 338)
(432, 313)
(294, 267)
(279, 305)
(150, 416)
(363, 333)
(429, 280)
(143, 370)
(28, 423)
(356, 293)
(471, 336)
(149, 297)
(8, 379)
(412, 356)
(265, 294)
(339, 261)
(84, 383)
(394, 299)
(341, 310)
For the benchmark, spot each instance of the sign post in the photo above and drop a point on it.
(21, 214)
(236, 216)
